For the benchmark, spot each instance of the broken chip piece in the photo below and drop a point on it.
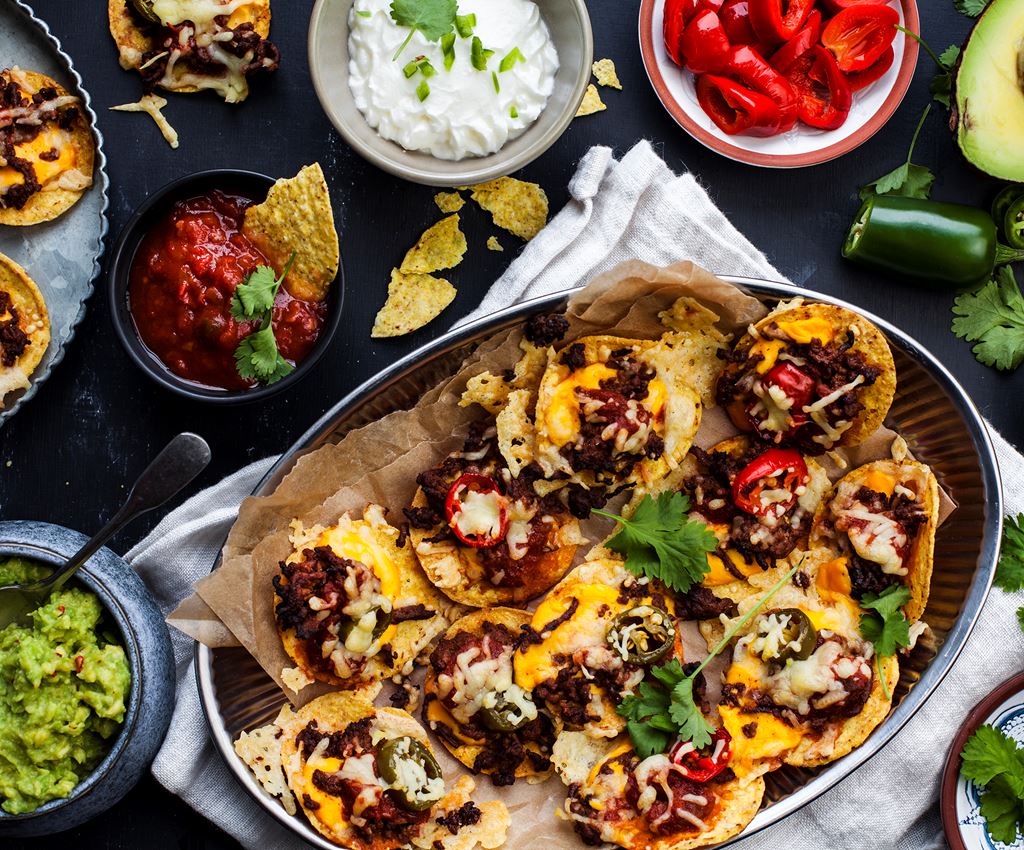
(493, 244)
(449, 202)
(591, 102)
(441, 246)
(604, 73)
(413, 300)
(260, 749)
(517, 206)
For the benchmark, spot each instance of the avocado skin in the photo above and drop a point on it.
(988, 98)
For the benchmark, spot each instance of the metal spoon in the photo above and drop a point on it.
(182, 459)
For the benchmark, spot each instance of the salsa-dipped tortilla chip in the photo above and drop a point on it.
(194, 45)
(882, 516)
(484, 719)
(812, 376)
(47, 146)
(648, 804)
(482, 535)
(367, 779)
(352, 605)
(24, 327)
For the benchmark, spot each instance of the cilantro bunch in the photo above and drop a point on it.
(993, 317)
(1010, 570)
(257, 357)
(885, 625)
(992, 760)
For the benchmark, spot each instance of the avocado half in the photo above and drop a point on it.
(989, 92)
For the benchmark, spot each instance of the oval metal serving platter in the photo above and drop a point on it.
(931, 410)
(62, 256)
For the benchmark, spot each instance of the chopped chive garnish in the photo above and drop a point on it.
(513, 56)
(448, 50)
(513, 112)
(423, 91)
(464, 25)
(427, 69)
(410, 69)
(494, 77)
(364, 13)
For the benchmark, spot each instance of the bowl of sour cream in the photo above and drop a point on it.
(447, 93)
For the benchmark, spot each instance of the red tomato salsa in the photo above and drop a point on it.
(182, 280)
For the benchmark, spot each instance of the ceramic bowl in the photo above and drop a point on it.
(143, 634)
(247, 184)
(569, 25)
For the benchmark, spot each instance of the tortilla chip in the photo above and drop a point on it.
(297, 218)
(261, 752)
(488, 833)
(517, 436)
(604, 72)
(517, 206)
(441, 246)
(591, 102)
(493, 244)
(413, 301)
(489, 391)
(33, 320)
(449, 202)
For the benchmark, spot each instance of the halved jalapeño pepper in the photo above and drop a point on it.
(785, 635)
(381, 623)
(503, 716)
(145, 9)
(405, 749)
(1013, 223)
(642, 635)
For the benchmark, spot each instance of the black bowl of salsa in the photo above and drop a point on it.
(173, 272)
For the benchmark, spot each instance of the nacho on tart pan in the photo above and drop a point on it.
(590, 642)
(482, 535)
(367, 779)
(50, 160)
(883, 517)
(24, 327)
(352, 605)
(615, 797)
(614, 413)
(471, 702)
(813, 376)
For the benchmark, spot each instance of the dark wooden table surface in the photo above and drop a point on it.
(69, 454)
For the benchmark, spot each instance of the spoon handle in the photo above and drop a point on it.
(181, 460)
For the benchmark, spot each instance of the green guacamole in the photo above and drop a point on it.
(65, 681)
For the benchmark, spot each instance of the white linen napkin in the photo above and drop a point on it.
(633, 207)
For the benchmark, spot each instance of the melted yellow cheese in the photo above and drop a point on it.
(805, 330)
(880, 482)
(768, 349)
(47, 139)
(202, 12)
(622, 749)
(330, 811)
(586, 627)
(720, 575)
(437, 713)
(834, 580)
(772, 738)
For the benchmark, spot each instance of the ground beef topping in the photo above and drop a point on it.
(546, 329)
(466, 815)
(13, 340)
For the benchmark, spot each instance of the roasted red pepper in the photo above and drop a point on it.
(796, 386)
(677, 14)
(798, 45)
(486, 524)
(859, 35)
(839, 5)
(736, 109)
(736, 21)
(774, 471)
(777, 21)
(825, 95)
(705, 764)
(863, 79)
(705, 45)
(748, 67)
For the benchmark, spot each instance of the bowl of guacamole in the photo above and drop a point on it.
(88, 685)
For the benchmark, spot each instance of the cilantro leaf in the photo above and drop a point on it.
(992, 760)
(942, 83)
(883, 622)
(1002, 810)
(971, 8)
(908, 180)
(431, 18)
(949, 56)
(257, 357)
(255, 295)
(693, 726)
(662, 542)
(993, 316)
(1010, 570)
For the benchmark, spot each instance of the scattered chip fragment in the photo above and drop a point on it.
(493, 244)
(413, 301)
(441, 246)
(449, 202)
(515, 205)
(604, 72)
(591, 102)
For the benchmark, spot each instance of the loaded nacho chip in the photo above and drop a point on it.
(24, 327)
(414, 300)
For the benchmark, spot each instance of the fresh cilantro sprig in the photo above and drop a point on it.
(1010, 570)
(257, 357)
(431, 18)
(992, 316)
(661, 542)
(971, 8)
(665, 710)
(908, 180)
(885, 625)
(992, 760)
(942, 83)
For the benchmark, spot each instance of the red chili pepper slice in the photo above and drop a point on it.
(777, 21)
(705, 46)
(775, 470)
(798, 45)
(747, 66)
(484, 485)
(859, 35)
(705, 764)
(863, 79)
(736, 109)
(825, 95)
(797, 386)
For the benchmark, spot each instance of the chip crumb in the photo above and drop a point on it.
(493, 244)
(604, 72)
(152, 105)
(441, 246)
(295, 679)
(517, 206)
(449, 202)
(591, 102)
(413, 301)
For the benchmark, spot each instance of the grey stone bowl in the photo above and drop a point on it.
(147, 644)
